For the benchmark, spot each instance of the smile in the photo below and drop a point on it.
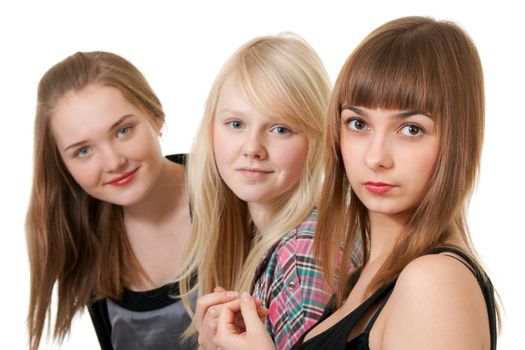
(123, 179)
(378, 187)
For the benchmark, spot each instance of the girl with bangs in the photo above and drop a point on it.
(403, 146)
(255, 174)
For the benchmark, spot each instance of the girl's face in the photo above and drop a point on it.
(389, 156)
(259, 157)
(107, 144)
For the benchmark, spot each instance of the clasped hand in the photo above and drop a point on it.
(226, 322)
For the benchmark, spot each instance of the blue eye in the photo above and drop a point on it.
(281, 130)
(412, 130)
(235, 124)
(83, 152)
(123, 131)
(356, 124)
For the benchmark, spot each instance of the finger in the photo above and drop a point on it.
(206, 301)
(261, 310)
(219, 289)
(249, 313)
(226, 321)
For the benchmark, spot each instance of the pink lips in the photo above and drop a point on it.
(378, 187)
(254, 173)
(123, 179)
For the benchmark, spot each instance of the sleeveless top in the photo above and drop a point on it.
(336, 336)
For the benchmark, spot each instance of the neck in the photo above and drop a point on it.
(384, 232)
(259, 214)
(167, 194)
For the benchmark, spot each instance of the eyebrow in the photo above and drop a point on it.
(231, 111)
(401, 115)
(113, 126)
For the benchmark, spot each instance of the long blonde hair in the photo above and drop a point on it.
(75, 240)
(280, 76)
(414, 63)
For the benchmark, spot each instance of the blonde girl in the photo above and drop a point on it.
(255, 172)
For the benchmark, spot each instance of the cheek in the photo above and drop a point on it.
(291, 157)
(421, 165)
(351, 156)
(223, 149)
(85, 174)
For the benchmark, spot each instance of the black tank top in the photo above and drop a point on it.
(336, 336)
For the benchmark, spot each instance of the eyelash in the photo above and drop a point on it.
(238, 124)
(420, 133)
(231, 122)
(77, 152)
(350, 120)
(128, 128)
(286, 129)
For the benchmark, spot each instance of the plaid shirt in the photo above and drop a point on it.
(290, 285)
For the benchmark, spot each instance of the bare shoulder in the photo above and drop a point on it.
(437, 303)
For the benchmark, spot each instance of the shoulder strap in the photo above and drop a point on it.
(373, 319)
(484, 282)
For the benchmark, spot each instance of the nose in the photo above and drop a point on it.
(254, 147)
(378, 155)
(112, 159)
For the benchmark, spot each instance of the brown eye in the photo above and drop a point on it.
(411, 130)
(356, 124)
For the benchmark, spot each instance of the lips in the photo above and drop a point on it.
(123, 179)
(378, 187)
(254, 173)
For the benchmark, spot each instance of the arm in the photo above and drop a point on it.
(436, 304)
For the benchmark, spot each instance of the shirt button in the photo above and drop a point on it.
(291, 285)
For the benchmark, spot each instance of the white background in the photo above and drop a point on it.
(180, 47)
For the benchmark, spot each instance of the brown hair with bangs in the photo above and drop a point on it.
(411, 63)
(75, 240)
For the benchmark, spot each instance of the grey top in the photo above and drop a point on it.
(143, 320)
(149, 330)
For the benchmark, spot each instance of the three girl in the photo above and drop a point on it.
(109, 215)
(403, 145)
(404, 137)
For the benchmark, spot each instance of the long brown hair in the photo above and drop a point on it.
(414, 63)
(75, 240)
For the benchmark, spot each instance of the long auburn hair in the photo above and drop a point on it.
(414, 63)
(74, 240)
(281, 76)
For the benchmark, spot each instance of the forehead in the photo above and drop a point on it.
(86, 113)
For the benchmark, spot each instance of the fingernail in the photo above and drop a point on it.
(232, 294)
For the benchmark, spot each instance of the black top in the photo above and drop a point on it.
(336, 336)
(143, 320)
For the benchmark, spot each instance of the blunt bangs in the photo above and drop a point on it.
(389, 74)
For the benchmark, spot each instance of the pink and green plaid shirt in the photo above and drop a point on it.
(290, 285)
